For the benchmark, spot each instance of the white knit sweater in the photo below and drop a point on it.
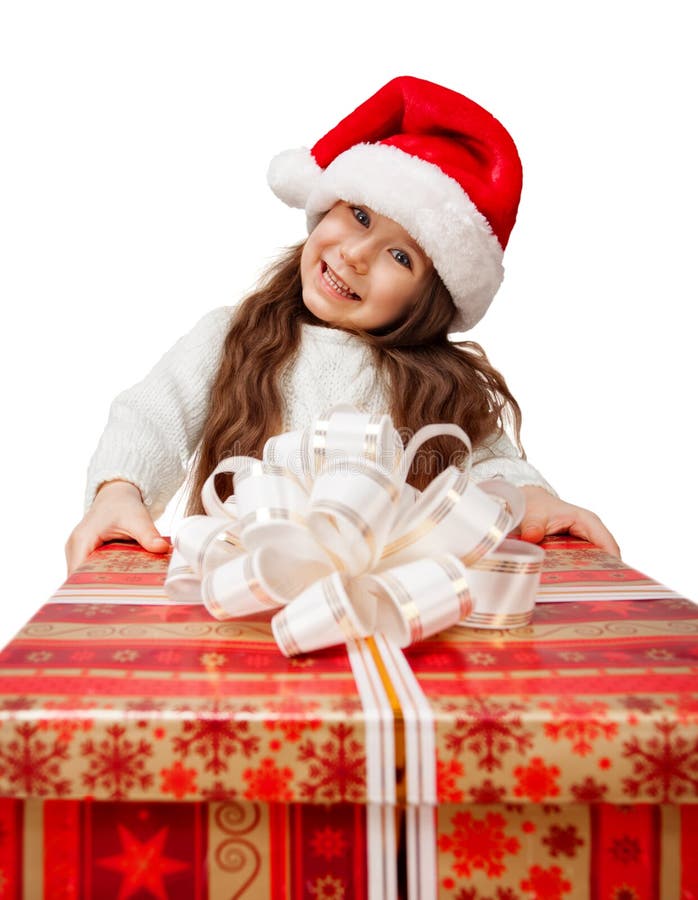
(154, 427)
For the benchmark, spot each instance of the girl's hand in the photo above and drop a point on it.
(117, 512)
(546, 514)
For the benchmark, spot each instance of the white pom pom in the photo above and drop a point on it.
(292, 175)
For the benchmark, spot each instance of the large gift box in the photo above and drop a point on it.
(148, 750)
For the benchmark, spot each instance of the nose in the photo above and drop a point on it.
(355, 252)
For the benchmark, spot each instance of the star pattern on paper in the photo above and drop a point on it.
(142, 864)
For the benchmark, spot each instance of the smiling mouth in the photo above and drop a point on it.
(338, 286)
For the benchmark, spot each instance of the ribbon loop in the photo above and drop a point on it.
(323, 615)
(325, 532)
(424, 597)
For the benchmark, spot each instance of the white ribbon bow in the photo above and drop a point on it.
(325, 530)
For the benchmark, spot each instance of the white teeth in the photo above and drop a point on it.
(338, 285)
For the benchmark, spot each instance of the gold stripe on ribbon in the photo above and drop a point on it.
(338, 610)
(288, 644)
(502, 565)
(209, 600)
(498, 620)
(398, 724)
(453, 495)
(371, 437)
(229, 538)
(319, 442)
(305, 453)
(492, 539)
(221, 535)
(335, 508)
(254, 585)
(408, 539)
(409, 608)
(460, 586)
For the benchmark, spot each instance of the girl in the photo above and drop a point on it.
(409, 202)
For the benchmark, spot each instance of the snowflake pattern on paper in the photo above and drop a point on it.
(686, 706)
(122, 559)
(328, 888)
(665, 767)
(488, 730)
(13, 704)
(117, 764)
(580, 723)
(65, 718)
(215, 738)
(546, 883)
(219, 792)
(31, 766)
(487, 793)
(337, 769)
(268, 783)
(563, 841)
(501, 893)
(447, 771)
(589, 791)
(640, 704)
(178, 780)
(291, 717)
(536, 781)
(625, 850)
(625, 892)
(478, 844)
(328, 843)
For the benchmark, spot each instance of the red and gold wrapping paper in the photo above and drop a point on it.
(83, 850)
(568, 852)
(118, 700)
(560, 747)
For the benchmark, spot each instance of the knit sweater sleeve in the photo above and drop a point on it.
(154, 427)
(499, 458)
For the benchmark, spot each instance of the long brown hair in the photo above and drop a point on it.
(428, 378)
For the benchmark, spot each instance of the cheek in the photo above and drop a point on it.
(399, 288)
(309, 255)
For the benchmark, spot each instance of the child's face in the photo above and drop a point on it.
(361, 269)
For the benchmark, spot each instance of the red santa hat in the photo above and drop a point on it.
(433, 161)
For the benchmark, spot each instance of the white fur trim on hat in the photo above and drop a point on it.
(292, 175)
(431, 206)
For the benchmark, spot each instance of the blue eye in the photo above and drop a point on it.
(361, 216)
(401, 257)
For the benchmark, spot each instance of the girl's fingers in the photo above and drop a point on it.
(533, 528)
(549, 515)
(153, 542)
(78, 548)
(133, 522)
(147, 535)
(593, 530)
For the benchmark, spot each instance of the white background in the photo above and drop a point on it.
(135, 138)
